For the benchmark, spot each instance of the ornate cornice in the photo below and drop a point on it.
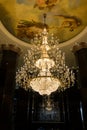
(79, 46)
(10, 47)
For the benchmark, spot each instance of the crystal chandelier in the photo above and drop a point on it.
(44, 68)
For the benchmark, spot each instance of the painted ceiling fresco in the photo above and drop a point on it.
(24, 18)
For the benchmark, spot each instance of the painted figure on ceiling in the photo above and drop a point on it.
(41, 4)
(70, 22)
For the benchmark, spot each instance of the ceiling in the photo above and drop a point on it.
(66, 19)
(24, 18)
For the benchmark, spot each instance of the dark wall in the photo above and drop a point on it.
(80, 52)
(72, 101)
(7, 86)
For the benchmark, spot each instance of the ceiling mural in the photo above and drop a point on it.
(24, 18)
